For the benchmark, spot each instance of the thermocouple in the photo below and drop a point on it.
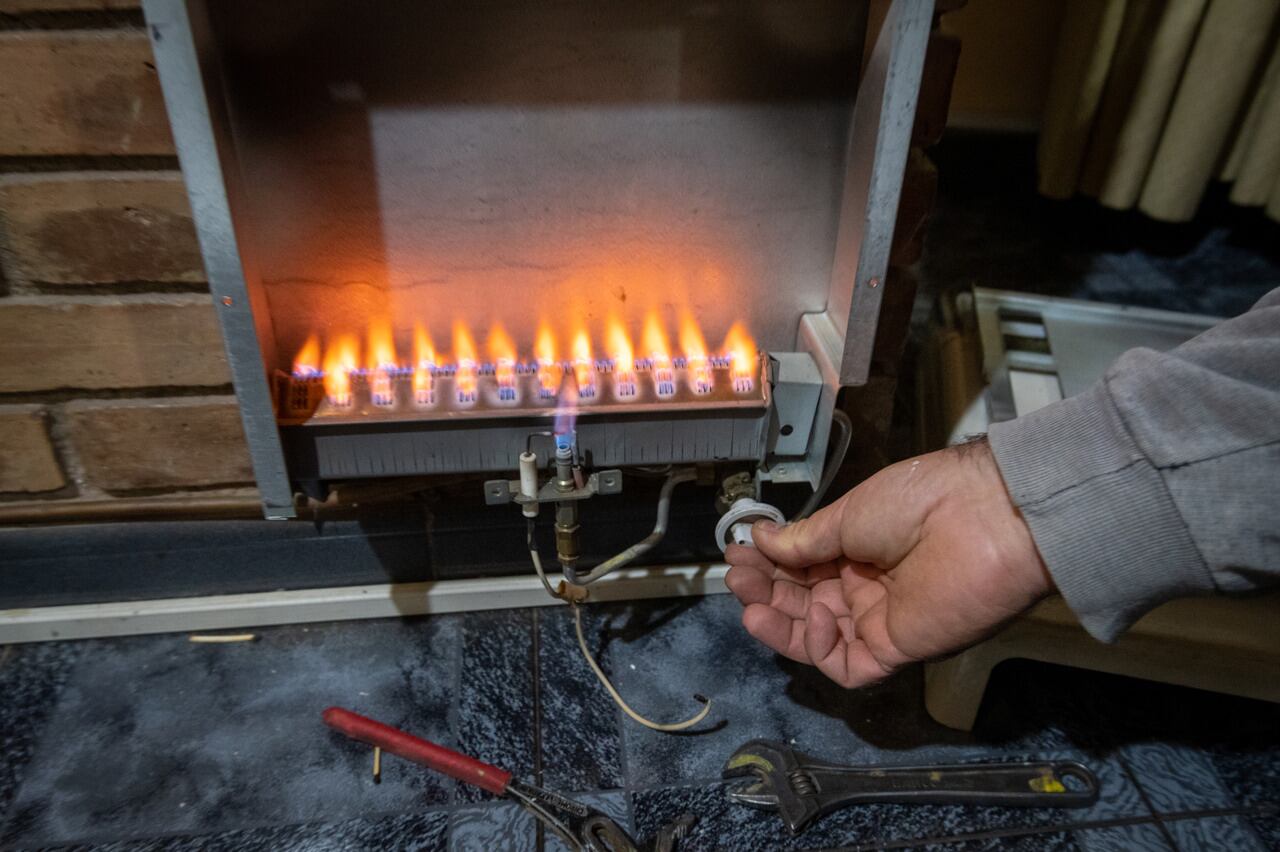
(735, 525)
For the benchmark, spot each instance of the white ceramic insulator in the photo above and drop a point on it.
(742, 534)
(735, 525)
(529, 482)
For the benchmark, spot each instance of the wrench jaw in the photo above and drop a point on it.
(771, 771)
(753, 793)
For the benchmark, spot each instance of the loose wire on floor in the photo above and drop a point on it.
(564, 594)
(613, 692)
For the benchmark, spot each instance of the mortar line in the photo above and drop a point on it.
(992, 834)
(1146, 800)
(540, 833)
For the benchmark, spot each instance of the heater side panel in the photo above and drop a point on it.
(185, 57)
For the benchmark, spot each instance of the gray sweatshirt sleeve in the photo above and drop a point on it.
(1162, 480)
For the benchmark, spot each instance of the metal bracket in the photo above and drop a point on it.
(500, 491)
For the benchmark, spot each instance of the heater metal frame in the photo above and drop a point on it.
(838, 339)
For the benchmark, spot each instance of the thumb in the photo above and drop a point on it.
(804, 543)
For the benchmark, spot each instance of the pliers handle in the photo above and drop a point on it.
(582, 828)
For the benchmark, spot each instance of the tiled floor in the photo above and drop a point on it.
(153, 743)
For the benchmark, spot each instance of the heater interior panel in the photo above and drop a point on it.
(513, 162)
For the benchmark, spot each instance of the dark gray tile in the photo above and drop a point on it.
(581, 736)
(1054, 841)
(1250, 770)
(491, 825)
(156, 735)
(1176, 777)
(424, 832)
(32, 678)
(724, 825)
(665, 652)
(495, 694)
(1224, 832)
(1142, 837)
(505, 825)
(1265, 822)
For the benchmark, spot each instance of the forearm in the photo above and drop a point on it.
(1160, 481)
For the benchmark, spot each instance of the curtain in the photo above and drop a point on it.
(1150, 100)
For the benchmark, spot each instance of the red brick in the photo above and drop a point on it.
(27, 460)
(80, 92)
(159, 444)
(93, 342)
(94, 228)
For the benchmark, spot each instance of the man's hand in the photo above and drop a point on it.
(923, 559)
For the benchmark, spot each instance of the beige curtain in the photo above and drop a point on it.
(1150, 100)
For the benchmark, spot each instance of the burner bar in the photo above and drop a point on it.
(488, 393)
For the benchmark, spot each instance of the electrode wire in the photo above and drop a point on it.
(617, 698)
(591, 661)
(838, 418)
(642, 547)
(537, 561)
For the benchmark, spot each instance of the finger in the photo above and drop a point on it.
(738, 554)
(775, 630)
(848, 663)
(815, 539)
(749, 585)
(811, 575)
(861, 587)
(872, 629)
(790, 599)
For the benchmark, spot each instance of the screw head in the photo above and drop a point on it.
(874, 282)
(226, 300)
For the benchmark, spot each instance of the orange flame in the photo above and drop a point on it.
(341, 358)
(382, 346)
(743, 358)
(692, 344)
(624, 358)
(618, 345)
(583, 370)
(307, 361)
(464, 353)
(695, 350)
(381, 362)
(424, 362)
(502, 349)
(544, 352)
(654, 339)
(344, 357)
(659, 352)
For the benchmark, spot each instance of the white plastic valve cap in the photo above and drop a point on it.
(735, 525)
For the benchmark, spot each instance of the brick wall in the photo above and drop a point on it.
(113, 383)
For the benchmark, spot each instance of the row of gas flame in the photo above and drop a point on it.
(344, 358)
